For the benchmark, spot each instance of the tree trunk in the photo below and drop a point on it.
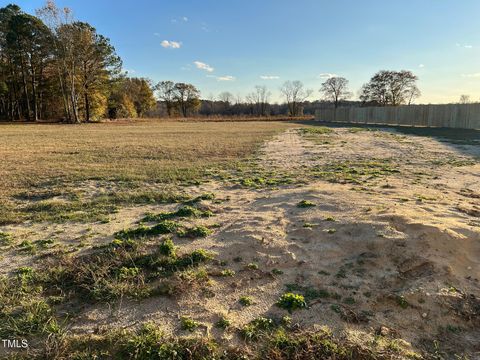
(34, 95)
(25, 89)
(87, 105)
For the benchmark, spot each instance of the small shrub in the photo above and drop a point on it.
(291, 302)
(252, 266)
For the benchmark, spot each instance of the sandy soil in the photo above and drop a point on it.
(403, 250)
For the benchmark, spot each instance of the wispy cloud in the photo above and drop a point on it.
(269, 77)
(473, 75)
(171, 44)
(202, 66)
(326, 76)
(226, 78)
(223, 78)
(182, 19)
(421, 66)
(205, 27)
(466, 46)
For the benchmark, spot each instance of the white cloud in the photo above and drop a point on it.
(468, 46)
(171, 44)
(226, 78)
(185, 19)
(474, 75)
(202, 66)
(326, 76)
(421, 66)
(269, 77)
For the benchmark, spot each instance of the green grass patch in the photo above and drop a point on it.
(290, 301)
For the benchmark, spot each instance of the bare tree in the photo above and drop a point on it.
(412, 94)
(464, 99)
(336, 90)
(295, 94)
(258, 99)
(226, 97)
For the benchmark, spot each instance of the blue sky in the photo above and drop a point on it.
(222, 45)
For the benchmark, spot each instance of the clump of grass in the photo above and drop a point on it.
(308, 225)
(355, 130)
(196, 231)
(28, 247)
(320, 130)
(277, 272)
(309, 292)
(329, 218)
(164, 227)
(167, 248)
(188, 323)
(127, 273)
(330, 231)
(306, 204)
(246, 300)
(223, 322)
(349, 172)
(257, 328)
(349, 300)
(195, 200)
(5, 239)
(252, 266)
(183, 212)
(291, 302)
(227, 273)
(402, 302)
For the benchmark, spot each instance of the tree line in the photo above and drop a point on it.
(55, 67)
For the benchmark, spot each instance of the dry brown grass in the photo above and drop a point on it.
(40, 156)
(150, 150)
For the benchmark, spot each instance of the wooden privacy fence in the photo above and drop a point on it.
(457, 116)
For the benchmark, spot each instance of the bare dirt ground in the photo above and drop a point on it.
(396, 249)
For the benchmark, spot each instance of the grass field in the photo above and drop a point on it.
(238, 240)
(47, 161)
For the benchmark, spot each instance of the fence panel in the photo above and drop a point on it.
(459, 116)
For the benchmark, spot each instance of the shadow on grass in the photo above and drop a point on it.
(447, 135)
